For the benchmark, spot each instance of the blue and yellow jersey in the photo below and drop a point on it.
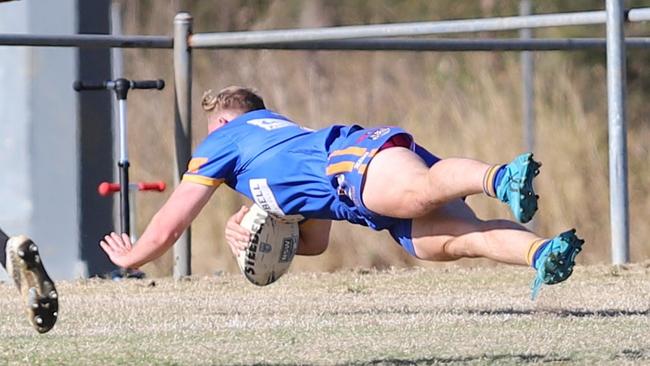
(288, 169)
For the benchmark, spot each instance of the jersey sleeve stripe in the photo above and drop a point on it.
(195, 164)
(206, 181)
(357, 151)
(342, 167)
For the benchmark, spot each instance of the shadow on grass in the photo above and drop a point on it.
(563, 313)
(516, 358)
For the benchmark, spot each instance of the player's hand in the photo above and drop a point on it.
(118, 248)
(237, 237)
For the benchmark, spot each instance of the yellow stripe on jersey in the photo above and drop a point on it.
(342, 167)
(196, 164)
(206, 181)
(358, 151)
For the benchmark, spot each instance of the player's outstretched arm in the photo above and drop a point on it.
(165, 228)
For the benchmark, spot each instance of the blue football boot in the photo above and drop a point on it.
(555, 263)
(516, 187)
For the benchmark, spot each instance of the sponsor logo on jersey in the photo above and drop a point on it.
(376, 134)
(270, 124)
(263, 196)
(373, 134)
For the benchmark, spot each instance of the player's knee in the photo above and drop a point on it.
(311, 248)
(437, 250)
(463, 250)
(458, 247)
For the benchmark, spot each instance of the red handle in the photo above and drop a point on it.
(152, 186)
(106, 188)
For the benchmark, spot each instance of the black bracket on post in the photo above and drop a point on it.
(121, 88)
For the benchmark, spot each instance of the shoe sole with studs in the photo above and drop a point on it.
(26, 268)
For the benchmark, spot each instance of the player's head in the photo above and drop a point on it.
(228, 104)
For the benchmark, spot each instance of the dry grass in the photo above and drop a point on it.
(449, 315)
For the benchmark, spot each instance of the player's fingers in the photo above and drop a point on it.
(127, 241)
(242, 236)
(238, 242)
(230, 231)
(243, 244)
(234, 247)
(236, 236)
(116, 242)
(240, 214)
(238, 232)
(119, 241)
(108, 250)
(109, 240)
(234, 240)
(105, 247)
(111, 244)
(243, 232)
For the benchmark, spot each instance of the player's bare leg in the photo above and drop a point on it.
(23, 263)
(399, 184)
(453, 231)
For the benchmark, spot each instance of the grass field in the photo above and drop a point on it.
(447, 315)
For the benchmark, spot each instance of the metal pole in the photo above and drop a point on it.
(638, 15)
(117, 72)
(528, 88)
(369, 44)
(445, 44)
(132, 213)
(183, 127)
(85, 41)
(616, 79)
(116, 31)
(217, 40)
(259, 39)
(125, 221)
(527, 71)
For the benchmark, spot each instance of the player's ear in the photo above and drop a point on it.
(215, 122)
(221, 121)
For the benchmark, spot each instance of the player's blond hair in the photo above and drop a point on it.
(235, 98)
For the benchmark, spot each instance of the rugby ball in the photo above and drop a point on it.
(271, 248)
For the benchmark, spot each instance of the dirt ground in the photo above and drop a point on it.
(447, 315)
